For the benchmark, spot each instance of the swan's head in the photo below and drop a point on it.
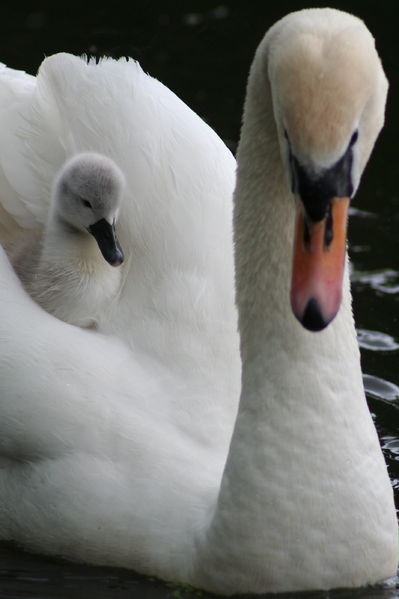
(329, 92)
(86, 198)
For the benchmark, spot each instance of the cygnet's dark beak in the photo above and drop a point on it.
(104, 233)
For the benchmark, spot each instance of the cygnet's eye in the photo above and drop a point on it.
(86, 203)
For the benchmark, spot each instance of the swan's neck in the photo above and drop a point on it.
(303, 427)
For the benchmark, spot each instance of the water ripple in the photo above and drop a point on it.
(361, 213)
(385, 281)
(391, 444)
(376, 341)
(381, 389)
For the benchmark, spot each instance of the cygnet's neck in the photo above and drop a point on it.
(297, 473)
(74, 281)
(64, 243)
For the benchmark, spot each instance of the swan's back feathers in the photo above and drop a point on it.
(120, 113)
(177, 296)
(177, 205)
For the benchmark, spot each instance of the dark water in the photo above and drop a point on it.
(202, 51)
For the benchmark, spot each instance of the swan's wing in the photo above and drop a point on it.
(24, 184)
(177, 301)
(84, 435)
(32, 148)
(66, 377)
(73, 105)
(36, 122)
(75, 402)
(175, 221)
(16, 90)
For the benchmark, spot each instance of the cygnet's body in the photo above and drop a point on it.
(67, 268)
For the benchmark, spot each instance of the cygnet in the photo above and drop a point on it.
(67, 268)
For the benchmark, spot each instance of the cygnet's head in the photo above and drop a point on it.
(86, 197)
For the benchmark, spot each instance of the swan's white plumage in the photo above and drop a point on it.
(153, 137)
(112, 452)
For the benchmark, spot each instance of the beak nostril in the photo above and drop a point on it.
(306, 233)
(329, 230)
(354, 138)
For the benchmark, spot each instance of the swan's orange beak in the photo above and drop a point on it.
(318, 266)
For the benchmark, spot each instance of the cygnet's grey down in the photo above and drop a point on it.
(67, 268)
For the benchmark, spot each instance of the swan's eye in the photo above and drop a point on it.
(86, 203)
(354, 138)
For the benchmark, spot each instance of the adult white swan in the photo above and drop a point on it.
(113, 454)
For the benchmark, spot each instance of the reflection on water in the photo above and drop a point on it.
(204, 54)
(24, 576)
(380, 388)
(384, 281)
(375, 340)
(391, 444)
